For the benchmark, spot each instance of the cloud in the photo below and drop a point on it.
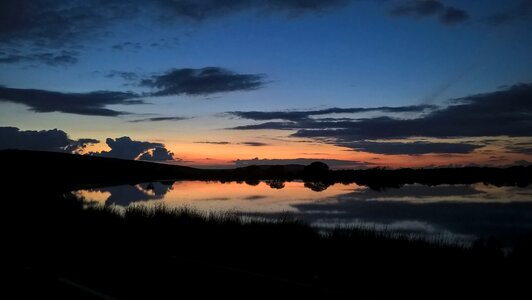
(502, 113)
(127, 46)
(61, 58)
(254, 144)
(521, 11)
(413, 148)
(201, 10)
(91, 103)
(419, 8)
(54, 23)
(202, 81)
(127, 76)
(448, 15)
(453, 16)
(125, 195)
(522, 148)
(506, 112)
(60, 25)
(303, 115)
(76, 146)
(44, 140)
(38, 27)
(270, 125)
(157, 154)
(58, 141)
(523, 162)
(214, 142)
(126, 148)
(160, 119)
(333, 163)
(64, 25)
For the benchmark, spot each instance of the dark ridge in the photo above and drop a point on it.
(72, 171)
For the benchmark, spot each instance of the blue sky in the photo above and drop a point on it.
(310, 55)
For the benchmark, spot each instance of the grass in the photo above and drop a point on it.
(162, 252)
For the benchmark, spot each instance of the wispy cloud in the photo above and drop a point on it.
(60, 58)
(306, 114)
(159, 119)
(252, 144)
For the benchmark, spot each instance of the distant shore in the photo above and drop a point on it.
(68, 171)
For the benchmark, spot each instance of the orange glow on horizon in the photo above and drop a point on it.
(196, 152)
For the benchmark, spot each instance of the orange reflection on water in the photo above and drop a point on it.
(232, 196)
(95, 195)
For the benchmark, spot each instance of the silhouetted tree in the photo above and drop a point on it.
(276, 171)
(316, 169)
(252, 171)
(252, 182)
(275, 184)
(317, 186)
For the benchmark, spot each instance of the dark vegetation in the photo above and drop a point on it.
(55, 243)
(58, 246)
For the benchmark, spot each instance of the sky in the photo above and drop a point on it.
(356, 84)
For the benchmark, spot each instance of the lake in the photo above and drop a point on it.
(459, 213)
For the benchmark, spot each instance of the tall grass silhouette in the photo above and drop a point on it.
(159, 252)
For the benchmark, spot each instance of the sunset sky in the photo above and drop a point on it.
(223, 83)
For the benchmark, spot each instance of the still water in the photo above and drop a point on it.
(455, 212)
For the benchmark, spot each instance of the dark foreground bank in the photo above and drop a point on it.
(60, 248)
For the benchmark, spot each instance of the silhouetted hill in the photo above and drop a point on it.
(70, 169)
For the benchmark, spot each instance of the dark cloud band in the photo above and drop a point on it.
(502, 113)
(92, 103)
(303, 115)
(160, 119)
(202, 81)
(61, 58)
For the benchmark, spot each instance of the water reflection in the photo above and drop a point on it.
(260, 196)
(124, 195)
(464, 211)
(317, 186)
(506, 221)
